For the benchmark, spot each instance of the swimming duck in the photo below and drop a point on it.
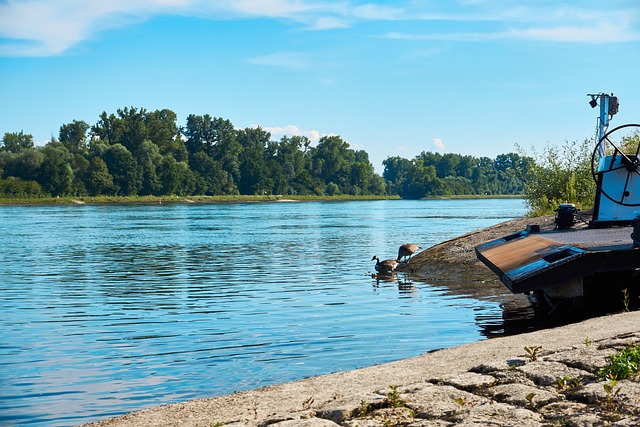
(386, 266)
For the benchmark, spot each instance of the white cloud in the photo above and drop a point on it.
(437, 144)
(292, 130)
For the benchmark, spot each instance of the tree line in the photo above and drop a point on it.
(138, 152)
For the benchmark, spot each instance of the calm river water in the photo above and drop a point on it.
(110, 309)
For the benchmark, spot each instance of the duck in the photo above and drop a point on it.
(387, 266)
(406, 250)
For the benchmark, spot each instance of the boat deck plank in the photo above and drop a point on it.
(517, 253)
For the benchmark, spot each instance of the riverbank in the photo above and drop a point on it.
(542, 378)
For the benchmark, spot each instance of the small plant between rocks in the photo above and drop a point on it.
(567, 383)
(391, 411)
(611, 404)
(393, 398)
(626, 299)
(622, 365)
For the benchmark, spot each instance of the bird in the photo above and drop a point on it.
(387, 266)
(406, 250)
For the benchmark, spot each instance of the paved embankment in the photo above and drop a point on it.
(494, 382)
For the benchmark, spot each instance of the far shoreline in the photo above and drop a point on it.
(152, 200)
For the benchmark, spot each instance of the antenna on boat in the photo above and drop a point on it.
(608, 108)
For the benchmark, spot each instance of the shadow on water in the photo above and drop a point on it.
(524, 313)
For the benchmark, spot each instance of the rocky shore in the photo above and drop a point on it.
(543, 378)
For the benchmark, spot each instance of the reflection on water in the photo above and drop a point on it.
(110, 309)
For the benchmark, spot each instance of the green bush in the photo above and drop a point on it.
(560, 175)
(16, 188)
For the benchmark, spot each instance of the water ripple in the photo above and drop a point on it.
(109, 309)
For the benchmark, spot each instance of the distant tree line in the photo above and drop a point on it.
(435, 174)
(139, 152)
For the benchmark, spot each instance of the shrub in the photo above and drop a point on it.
(560, 175)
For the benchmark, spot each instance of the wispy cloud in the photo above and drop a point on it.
(600, 34)
(555, 25)
(50, 27)
(283, 59)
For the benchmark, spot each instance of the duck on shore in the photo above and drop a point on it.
(387, 266)
(406, 250)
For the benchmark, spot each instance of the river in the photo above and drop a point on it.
(107, 309)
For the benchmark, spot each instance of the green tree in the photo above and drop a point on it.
(14, 142)
(423, 182)
(98, 180)
(169, 174)
(255, 173)
(55, 172)
(226, 149)
(200, 133)
(23, 165)
(127, 175)
(398, 172)
(162, 129)
(149, 159)
(128, 128)
(74, 136)
(331, 159)
(294, 160)
(187, 184)
(361, 174)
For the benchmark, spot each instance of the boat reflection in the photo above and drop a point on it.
(519, 313)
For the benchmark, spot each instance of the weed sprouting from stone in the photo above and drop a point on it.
(532, 352)
(611, 404)
(529, 398)
(623, 364)
(364, 409)
(626, 299)
(307, 403)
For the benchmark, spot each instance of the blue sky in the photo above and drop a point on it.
(393, 78)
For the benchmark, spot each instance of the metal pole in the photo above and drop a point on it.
(603, 124)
